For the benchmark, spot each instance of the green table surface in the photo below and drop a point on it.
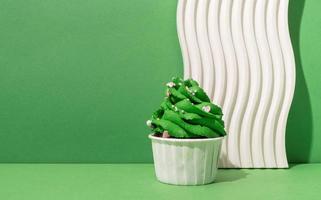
(137, 181)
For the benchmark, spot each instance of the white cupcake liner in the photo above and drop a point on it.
(185, 161)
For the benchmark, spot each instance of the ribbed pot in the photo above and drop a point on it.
(185, 161)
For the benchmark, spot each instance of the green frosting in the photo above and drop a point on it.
(187, 112)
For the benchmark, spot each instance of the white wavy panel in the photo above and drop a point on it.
(255, 83)
(289, 65)
(182, 41)
(242, 85)
(219, 86)
(204, 46)
(191, 40)
(240, 52)
(232, 75)
(219, 63)
(278, 85)
(266, 83)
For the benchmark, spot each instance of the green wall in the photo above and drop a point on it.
(79, 78)
(304, 125)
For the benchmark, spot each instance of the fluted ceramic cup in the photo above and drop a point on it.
(186, 161)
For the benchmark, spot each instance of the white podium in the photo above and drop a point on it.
(240, 51)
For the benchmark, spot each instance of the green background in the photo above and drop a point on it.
(79, 78)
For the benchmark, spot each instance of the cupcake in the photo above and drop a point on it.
(187, 131)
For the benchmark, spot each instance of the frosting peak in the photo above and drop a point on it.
(187, 112)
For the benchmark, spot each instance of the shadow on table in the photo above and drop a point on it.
(295, 165)
(230, 175)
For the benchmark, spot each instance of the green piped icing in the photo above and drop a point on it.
(187, 112)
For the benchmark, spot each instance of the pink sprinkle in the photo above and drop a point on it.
(206, 108)
(166, 135)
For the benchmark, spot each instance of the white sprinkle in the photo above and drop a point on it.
(149, 123)
(168, 93)
(170, 84)
(206, 108)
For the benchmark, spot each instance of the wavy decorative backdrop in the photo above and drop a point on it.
(240, 51)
